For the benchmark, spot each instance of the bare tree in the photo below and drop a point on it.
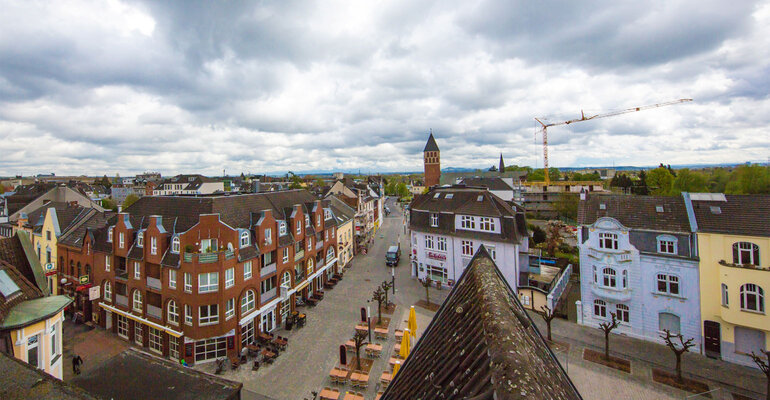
(764, 366)
(607, 327)
(379, 297)
(386, 286)
(682, 347)
(548, 316)
(426, 284)
(360, 340)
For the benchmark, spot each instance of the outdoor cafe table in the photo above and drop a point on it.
(386, 377)
(265, 337)
(350, 345)
(356, 377)
(393, 360)
(374, 348)
(360, 327)
(399, 334)
(352, 396)
(381, 333)
(280, 342)
(267, 353)
(338, 373)
(327, 394)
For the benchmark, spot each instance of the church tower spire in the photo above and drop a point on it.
(432, 162)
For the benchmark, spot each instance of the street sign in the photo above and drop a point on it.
(49, 267)
(83, 279)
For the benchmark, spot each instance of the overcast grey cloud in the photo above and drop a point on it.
(104, 87)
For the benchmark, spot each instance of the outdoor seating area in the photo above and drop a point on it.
(264, 350)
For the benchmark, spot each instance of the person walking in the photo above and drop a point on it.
(76, 363)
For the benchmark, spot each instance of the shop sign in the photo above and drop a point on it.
(94, 293)
(436, 256)
(49, 267)
(83, 279)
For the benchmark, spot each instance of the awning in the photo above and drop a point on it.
(83, 287)
(302, 286)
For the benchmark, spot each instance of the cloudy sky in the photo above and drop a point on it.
(105, 87)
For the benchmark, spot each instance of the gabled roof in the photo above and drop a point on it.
(489, 183)
(636, 212)
(481, 344)
(92, 220)
(431, 145)
(736, 215)
(463, 200)
(23, 381)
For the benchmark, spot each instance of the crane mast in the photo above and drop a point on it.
(583, 117)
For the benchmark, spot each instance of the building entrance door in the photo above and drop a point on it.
(712, 339)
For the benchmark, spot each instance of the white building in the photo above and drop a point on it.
(189, 185)
(639, 260)
(449, 224)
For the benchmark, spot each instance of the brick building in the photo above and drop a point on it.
(432, 162)
(198, 277)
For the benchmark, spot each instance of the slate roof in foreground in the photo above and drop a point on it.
(481, 344)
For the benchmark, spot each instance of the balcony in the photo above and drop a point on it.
(121, 300)
(299, 255)
(121, 274)
(154, 312)
(267, 270)
(154, 283)
(269, 295)
(229, 254)
(615, 295)
(208, 258)
(299, 276)
(319, 245)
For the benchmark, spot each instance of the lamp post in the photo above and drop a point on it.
(393, 278)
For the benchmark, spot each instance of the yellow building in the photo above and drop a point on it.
(345, 236)
(30, 322)
(734, 248)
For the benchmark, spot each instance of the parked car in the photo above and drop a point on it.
(393, 256)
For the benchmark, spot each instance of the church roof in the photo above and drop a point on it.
(431, 145)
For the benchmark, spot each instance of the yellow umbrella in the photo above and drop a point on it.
(396, 366)
(413, 322)
(404, 351)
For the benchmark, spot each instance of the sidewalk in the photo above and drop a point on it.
(732, 377)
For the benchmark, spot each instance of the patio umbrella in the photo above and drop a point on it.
(396, 366)
(412, 322)
(405, 342)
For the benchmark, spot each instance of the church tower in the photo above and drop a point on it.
(501, 169)
(432, 162)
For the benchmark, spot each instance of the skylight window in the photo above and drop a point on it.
(437, 195)
(480, 198)
(659, 208)
(7, 286)
(602, 206)
(449, 196)
(715, 209)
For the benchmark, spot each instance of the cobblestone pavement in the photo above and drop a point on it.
(95, 346)
(314, 350)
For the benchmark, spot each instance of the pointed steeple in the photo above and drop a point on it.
(431, 145)
(502, 164)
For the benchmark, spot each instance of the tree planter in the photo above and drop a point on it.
(617, 363)
(688, 385)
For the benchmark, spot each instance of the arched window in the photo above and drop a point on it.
(247, 302)
(137, 306)
(330, 253)
(175, 244)
(140, 239)
(107, 291)
(309, 269)
(745, 253)
(609, 277)
(244, 239)
(621, 310)
(173, 313)
(600, 308)
(752, 298)
(286, 280)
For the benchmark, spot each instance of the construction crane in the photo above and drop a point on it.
(583, 117)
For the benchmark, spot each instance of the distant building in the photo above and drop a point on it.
(481, 344)
(539, 198)
(504, 188)
(189, 185)
(449, 224)
(432, 162)
(365, 198)
(345, 232)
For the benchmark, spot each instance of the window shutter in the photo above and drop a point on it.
(736, 257)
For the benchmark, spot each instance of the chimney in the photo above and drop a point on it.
(73, 203)
(583, 194)
(22, 220)
(120, 208)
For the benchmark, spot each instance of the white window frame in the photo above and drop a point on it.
(155, 339)
(441, 243)
(121, 240)
(229, 277)
(248, 302)
(307, 221)
(108, 291)
(188, 282)
(172, 279)
(467, 248)
(188, 318)
(140, 239)
(245, 239)
(429, 242)
(332, 230)
(211, 316)
(268, 236)
(153, 245)
(229, 308)
(109, 234)
(667, 245)
(623, 313)
(137, 270)
(247, 270)
(137, 300)
(285, 254)
(434, 220)
(725, 296)
(327, 214)
(172, 312)
(492, 251)
(487, 224)
(175, 244)
(609, 278)
(286, 283)
(206, 284)
(606, 238)
(600, 305)
(309, 243)
(467, 222)
(748, 248)
(299, 228)
(282, 228)
(753, 290)
(107, 262)
(668, 281)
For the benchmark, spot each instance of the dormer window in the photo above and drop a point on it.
(608, 241)
(140, 239)
(602, 206)
(282, 228)
(449, 196)
(659, 209)
(434, 220)
(318, 220)
(745, 253)
(109, 234)
(667, 244)
(299, 228)
(467, 222)
(268, 236)
(307, 221)
(327, 214)
(437, 195)
(175, 244)
(244, 239)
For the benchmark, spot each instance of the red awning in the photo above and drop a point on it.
(83, 287)
(50, 273)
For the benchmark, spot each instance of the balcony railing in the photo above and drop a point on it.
(154, 312)
(229, 254)
(154, 283)
(267, 270)
(207, 258)
(121, 274)
(121, 300)
(300, 276)
(299, 255)
(269, 295)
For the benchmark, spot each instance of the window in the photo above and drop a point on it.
(437, 273)
(437, 195)
(309, 243)
(247, 302)
(330, 253)
(625, 279)
(326, 235)
(229, 277)
(622, 312)
(285, 254)
(175, 244)
(725, 296)
(600, 308)
(173, 313)
(745, 253)
(449, 196)
(153, 245)
(332, 233)
(299, 228)
(752, 298)
(269, 284)
(434, 220)
(467, 222)
(208, 315)
(121, 240)
(492, 251)
(428, 241)
(318, 220)
(188, 314)
(282, 228)
(32, 350)
(668, 284)
(173, 347)
(156, 340)
(487, 224)
(268, 236)
(137, 270)
(609, 278)
(286, 280)
(137, 305)
(55, 348)
(608, 241)
(107, 291)
(107, 262)
(208, 282)
(307, 221)
(668, 321)
(247, 334)
(596, 278)
(666, 245)
(48, 235)
(172, 279)
(140, 239)
(327, 214)
(122, 326)
(208, 245)
(309, 269)
(247, 270)
(229, 309)
(749, 340)
(244, 239)
(441, 243)
(467, 247)
(187, 282)
(109, 234)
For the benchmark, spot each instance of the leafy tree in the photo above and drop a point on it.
(492, 169)
(518, 168)
(105, 182)
(749, 179)
(640, 187)
(689, 181)
(660, 181)
(296, 181)
(589, 176)
(402, 190)
(678, 349)
(130, 199)
(538, 175)
(622, 181)
(386, 285)
(319, 183)
(553, 239)
(567, 205)
(607, 327)
(717, 181)
(109, 204)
